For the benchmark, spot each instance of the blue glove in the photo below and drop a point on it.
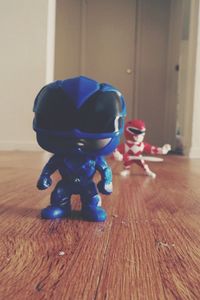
(104, 188)
(44, 182)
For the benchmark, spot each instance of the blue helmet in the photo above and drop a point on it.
(79, 115)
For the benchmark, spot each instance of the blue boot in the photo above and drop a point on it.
(56, 212)
(92, 212)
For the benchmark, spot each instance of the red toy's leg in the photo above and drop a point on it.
(145, 167)
(141, 163)
(127, 167)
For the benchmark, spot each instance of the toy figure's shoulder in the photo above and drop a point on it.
(91, 163)
(54, 159)
(100, 161)
(147, 147)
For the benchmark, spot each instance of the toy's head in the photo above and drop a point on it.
(79, 116)
(135, 130)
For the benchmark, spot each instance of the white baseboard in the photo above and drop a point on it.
(194, 152)
(19, 145)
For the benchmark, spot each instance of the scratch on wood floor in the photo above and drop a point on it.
(160, 244)
(131, 261)
(125, 223)
(115, 216)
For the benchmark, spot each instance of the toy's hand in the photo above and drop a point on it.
(117, 155)
(166, 148)
(105, 188)
(44, 182)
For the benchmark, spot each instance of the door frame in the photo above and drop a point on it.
(188, 102)
(171, 96)
(189, 113)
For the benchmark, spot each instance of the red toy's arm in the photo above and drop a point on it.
(149, 149)
(118, 154)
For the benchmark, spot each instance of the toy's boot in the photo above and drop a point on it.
(60, 204)
(148, 171)
(56, 212)
(92, 210)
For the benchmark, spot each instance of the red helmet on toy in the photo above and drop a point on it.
(134, 128)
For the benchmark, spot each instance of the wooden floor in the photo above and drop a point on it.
(149, 247)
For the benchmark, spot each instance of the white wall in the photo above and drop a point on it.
(23, 32)
(195, 137)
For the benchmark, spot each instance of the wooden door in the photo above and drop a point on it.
(108, 44)
(152, 59)
(124, 43)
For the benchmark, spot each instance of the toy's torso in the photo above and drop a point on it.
(135, 149)
(78, 170)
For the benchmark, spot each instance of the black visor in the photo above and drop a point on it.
(135, 131)
(99, 114)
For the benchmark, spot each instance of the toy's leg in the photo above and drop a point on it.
(91, 204)
(127, 166)
(60, 203)
(126, 171)
(142, 164)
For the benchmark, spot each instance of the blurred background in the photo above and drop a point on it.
(149, 49)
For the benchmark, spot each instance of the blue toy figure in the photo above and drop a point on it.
(79, 121)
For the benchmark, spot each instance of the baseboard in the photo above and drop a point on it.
(194, 152)
(19, 145)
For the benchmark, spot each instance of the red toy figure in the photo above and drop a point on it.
(131, 151)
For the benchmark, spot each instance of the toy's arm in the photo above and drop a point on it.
(165, 149)
(45, 180)
(105, 185)
(118, 152)
(156, 150)
(117, 155)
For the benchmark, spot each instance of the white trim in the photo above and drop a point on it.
(19, 145)
(191, 74)
(194, 152)
(195, 140)
(50, 47)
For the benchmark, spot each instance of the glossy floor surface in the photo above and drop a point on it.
(149, 247)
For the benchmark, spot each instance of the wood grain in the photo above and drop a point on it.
(149, 247)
